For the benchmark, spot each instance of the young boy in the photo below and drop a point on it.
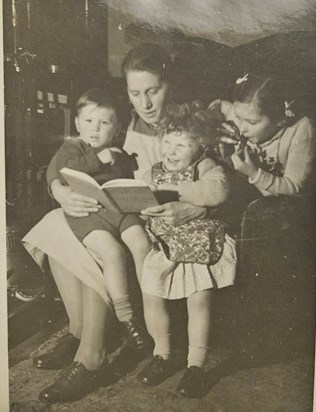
(101, 232)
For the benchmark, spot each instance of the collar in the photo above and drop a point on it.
(140, 126)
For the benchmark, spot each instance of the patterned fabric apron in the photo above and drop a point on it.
(198, 241)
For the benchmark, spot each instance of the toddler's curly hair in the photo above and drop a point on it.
(193, 119)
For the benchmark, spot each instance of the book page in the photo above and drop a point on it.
(124, 183)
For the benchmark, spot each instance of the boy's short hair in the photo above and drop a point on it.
(101, 97)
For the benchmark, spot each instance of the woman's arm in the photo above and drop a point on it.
(176, 213)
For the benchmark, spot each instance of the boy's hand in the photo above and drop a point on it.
(107, 155)
(243, 163)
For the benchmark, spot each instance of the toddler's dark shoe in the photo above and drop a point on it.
(61, 356)
(194, 383)
(76, 382)
(134, 334)
(157, 370)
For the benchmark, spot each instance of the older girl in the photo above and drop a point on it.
(279, 154)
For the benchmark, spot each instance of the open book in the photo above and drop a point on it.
(118, 195)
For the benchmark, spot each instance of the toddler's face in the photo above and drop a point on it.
(97, 125)
(253, 124)
(178, 150)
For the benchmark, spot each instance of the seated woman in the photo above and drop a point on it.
(82, 353)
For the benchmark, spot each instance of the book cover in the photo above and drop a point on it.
(120, 195)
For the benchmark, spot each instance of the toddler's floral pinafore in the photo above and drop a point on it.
(198, 241)
(195, 256)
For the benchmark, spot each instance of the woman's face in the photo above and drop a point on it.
(148, 94)
(253, 124)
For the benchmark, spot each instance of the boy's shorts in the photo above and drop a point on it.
(112, 222)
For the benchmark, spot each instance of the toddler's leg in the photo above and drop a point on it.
(112, 254)
(194, 381)
(199, 327)
(158, 325)
(137, 241)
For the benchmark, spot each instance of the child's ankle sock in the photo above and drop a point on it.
(162, 346)
(197, 356)
(123, 308)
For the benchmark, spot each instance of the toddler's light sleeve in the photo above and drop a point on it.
(211, 189)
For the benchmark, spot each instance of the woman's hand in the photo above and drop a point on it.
(243, 163)
(72, 203)
(176, 213)
(168, 186)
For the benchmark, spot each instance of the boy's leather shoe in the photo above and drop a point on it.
(61, 356)
(157, 371)
(76, 382)
(135, 334)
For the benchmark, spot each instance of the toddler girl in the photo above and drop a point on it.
(97, 122)
(279, 154)
(190, 260)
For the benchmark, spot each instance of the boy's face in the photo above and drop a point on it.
(178, 150)
(97, 125)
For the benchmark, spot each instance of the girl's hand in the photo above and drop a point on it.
(72, 203)
(176, 213)
(243, 163)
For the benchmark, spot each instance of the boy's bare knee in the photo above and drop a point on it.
(136, 240)
(104, 245)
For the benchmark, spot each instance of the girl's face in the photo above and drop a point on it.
(97, 125)
(253, 124)
(148, 94)
(178, 150)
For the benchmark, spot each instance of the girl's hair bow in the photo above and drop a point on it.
(242, 79)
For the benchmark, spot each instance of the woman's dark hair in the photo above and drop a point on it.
(101, 98)
(148, 57)
(191, 118)
(268, 92)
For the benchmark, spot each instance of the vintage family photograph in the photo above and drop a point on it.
(160, 180)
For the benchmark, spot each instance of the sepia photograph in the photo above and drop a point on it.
(194, 121)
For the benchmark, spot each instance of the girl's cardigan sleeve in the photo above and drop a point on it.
(211, 189)
(298, 169)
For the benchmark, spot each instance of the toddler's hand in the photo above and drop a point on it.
(107, 155)
(243, 163)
